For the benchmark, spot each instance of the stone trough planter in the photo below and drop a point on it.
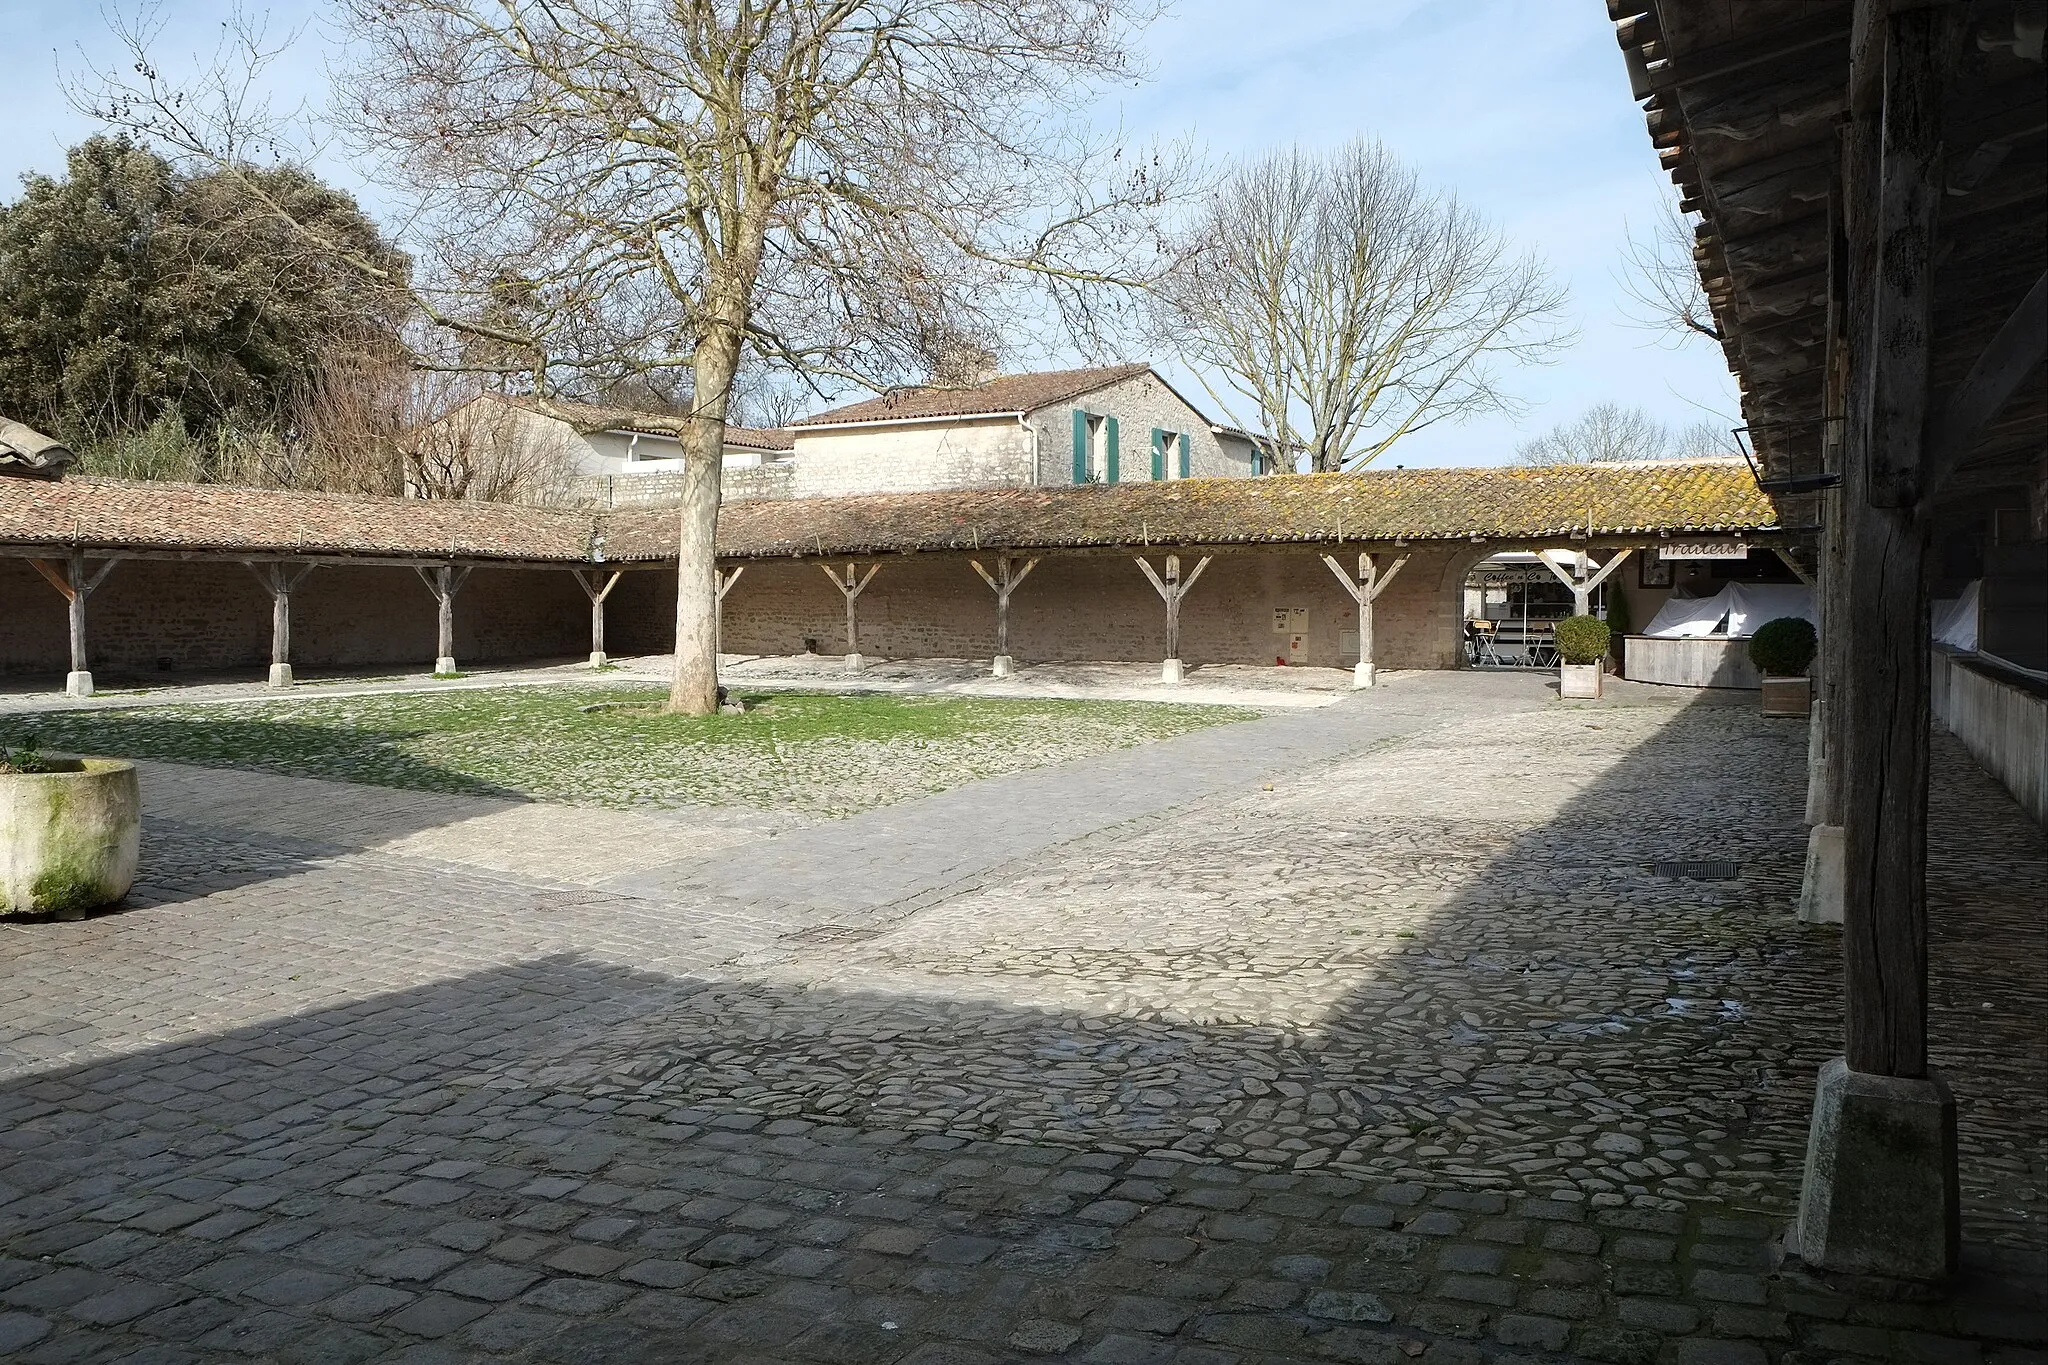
(69, 838)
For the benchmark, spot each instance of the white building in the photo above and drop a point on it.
(1116, 424)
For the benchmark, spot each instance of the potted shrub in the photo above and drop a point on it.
(70, 832)
(1782, 651)
(1581, 645)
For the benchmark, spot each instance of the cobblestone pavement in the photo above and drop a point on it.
(1357, 1034)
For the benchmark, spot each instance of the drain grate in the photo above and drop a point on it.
(1710, 870)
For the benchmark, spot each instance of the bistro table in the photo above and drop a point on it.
(1525, 646)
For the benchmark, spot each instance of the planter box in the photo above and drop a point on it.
(68, 839)
(1579, 680)
(1788, 696)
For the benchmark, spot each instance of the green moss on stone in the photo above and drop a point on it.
(60, 889)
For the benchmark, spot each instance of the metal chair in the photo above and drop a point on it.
(1479, 643)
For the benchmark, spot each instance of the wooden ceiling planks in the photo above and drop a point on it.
(1741, 101)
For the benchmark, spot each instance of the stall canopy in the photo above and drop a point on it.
(1735, 611)
(1955, 620)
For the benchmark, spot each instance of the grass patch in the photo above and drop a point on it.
(823, 754)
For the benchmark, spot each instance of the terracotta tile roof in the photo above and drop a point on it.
(172, 516)
(1510, 502)
(1507, 503)
(589, 417)
(1003, 394)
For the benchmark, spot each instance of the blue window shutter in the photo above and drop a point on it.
(1186, 446)
(1080, 446)
(1109, 440)
(1158, 455)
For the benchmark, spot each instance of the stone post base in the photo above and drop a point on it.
(280, 675)
(1002, 668)
(1880, 1196)
(1172, 672)
(598, 658)
(855, 663)
(1362, 676)
(444, 664)
(78, 684)
(1821, 894)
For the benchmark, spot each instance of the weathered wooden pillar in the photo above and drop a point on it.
(851, 590)
(444, 581)
(1365, 591)
(279, 581)
(68, 576)
(723, 581)
(597, 596)
(1171, 590)
(1582, 586)
(1880, 1192)
(1004, 582)
(1820, 891)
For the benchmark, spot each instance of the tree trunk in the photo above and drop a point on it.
(695, 689)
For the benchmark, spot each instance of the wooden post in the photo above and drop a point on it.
(723, 581)
(597, 595)
(69, 578)
(1005, 581)
(1880, 1190)
(1582, 588)
(445, 581)
(851, 590)
(279, 582)
(1365, 591)
(1885, 763)
(1171, 590)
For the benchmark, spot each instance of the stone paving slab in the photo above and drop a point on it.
(336, 1100)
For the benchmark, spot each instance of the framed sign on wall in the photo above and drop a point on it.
(1653, 571)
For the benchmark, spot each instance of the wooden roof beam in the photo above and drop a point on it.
(1703, 65)
(2003, 366)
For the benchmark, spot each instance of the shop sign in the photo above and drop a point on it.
(1704, 549)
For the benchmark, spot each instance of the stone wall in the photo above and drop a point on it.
(915, 457)
(158, 616)
(1139, 404)
(1093, 607)
(737, 483)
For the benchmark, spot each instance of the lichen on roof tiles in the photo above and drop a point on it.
(1416, 504)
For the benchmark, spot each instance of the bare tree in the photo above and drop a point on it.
(1345, 305)
(609, 188)
(1663, 280)
(1608, 432)
(377, 424)
(1699, 440)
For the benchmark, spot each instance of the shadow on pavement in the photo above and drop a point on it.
(567, 1160)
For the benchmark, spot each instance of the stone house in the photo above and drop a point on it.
(1115, 424)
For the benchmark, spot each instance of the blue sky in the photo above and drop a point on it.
(1519, 106)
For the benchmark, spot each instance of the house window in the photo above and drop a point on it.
(1169, 454)
(1095, 448)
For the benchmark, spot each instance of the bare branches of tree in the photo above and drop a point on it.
(374, 423)
(1608, 432)
(1663, 281)
(616, 188)
(1345, 305)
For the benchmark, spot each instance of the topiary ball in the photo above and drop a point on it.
(1783, 648)
(1582, 639)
